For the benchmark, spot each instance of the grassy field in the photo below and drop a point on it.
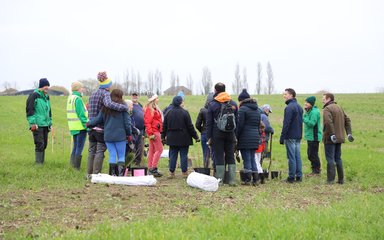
(54, 201)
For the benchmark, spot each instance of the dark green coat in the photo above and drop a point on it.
(38, 109)
(312, 125)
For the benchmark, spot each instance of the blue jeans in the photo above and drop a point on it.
(249, 159)
(333, 153)
(206, 150)
(78, 143)
(116, 150)
(173, 152)
(294, 159)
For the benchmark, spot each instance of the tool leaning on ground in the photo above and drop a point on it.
(269, 154)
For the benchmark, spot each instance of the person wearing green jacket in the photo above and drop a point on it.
(39, 117)
(312, 133)
(77, 116)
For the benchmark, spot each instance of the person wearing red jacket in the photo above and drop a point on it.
(153, 122)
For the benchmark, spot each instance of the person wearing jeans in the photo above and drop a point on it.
(291, 135)
(335, 123)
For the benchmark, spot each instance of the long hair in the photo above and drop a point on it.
(152, 106)
(117, 97)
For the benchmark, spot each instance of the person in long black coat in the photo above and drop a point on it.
(178, 132)
(248, 136)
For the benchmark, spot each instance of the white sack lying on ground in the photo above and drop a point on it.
(165, 153)
(131, 181)
(202, 181)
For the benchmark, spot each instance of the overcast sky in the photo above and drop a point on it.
(311, 45)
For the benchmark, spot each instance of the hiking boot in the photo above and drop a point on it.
(185, 174)
(262, 178)
(155, 172)
(113, 169)
(298, 179)
(171, 175)
(255, 178)
(289, 180)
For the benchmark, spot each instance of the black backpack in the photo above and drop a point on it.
(226, 121)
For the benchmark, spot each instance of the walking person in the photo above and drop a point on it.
(39, 117)
(153, 127)
(99, 99)
(178, 132)
(77, 116)
(248, 136)
(201, 126)
(138, 117)
(117, 130)
(336, 124)
(222, 139)
(291, 135)
(312, 133)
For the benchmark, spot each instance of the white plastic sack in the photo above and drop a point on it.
(165, 153)
(202, 181)
(148, 180)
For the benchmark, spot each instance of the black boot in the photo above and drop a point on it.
(39, 157)
(155, 172)
(77, 162)
(121, 169)
(262, 178)
(113, 169)
(246, 177)
(72, 161)
(340, 173)
(331, 173)
(255, 180)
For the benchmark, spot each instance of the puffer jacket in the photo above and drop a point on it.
(248, 126)
(38, 109)
(335, 122)
(153, 121)
(312, 125)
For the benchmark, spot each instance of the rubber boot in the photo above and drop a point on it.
(220, 173)
(255, 178)
(98, 163)
(340, 173)
(232, 174)
(246, 177)
(121, 169)
(39, 156)
(77, 162)
(72, 161)
(91, 158)
(43, 156)
(331, 173)
(113, 169)
(262, 178)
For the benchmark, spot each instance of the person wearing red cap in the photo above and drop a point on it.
(39, 117)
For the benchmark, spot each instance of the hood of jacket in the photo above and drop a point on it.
(223, 97)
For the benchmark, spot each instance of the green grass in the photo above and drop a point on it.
(54, 201)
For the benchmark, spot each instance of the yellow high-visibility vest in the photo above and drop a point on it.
(74, 122)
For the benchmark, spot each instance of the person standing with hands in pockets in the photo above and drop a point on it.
(336, 123)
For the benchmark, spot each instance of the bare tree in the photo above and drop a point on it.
(177, 81)
(158, 81)
(237, 84)
(126, 83)
(151, 83)
(90, 86)
(190, 83)
(139, 82)
(133, 82)
(173, 79)
(245, 79)
(6, 85)
(270, 84)
(259, 77)
(206, 81)
(35, 84)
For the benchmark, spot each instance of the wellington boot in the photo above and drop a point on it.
(72, 161)
(90, 162)
(331, 173)
(121, 169)
(39, 156)
(113, 169)
(340, 173)
(77, 162)
(262, 178)
(232, 174)
(220, 173)
(255, 178)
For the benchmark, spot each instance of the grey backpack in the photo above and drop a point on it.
(226, 120)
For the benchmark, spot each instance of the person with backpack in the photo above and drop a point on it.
(39, 117)
(248, 137)
(312, 133)
(178, 132)
(221, 128)
(291, 135)
(77, 115)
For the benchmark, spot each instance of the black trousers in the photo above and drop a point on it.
(40, 137)
(313, 156)
(223, 147)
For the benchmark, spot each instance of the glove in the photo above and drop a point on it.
(350, 138)
(333, 139)
(33, 127)
(152, 137)
(281, 141)
(129, 138)
(197, 140)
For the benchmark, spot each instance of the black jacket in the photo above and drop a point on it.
(178, 128)
(248, 125)
(201, 121)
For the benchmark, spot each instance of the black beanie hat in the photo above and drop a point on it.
(311, 100)
(243, 95)
(177, 100)
(43, 82)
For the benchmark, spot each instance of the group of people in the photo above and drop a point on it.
(225, 128)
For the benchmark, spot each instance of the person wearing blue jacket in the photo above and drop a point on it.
(117, 130)
(291, 135)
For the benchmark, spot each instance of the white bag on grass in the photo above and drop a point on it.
(202, 181)
(148, 180)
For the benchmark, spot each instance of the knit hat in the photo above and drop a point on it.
(104, 81)
(243, 95)
(152, 97)
(76, 86)
(311, 100)
(267, 107)
(177, 101)
(43, 82)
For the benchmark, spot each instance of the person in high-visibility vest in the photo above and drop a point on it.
(77, 116)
